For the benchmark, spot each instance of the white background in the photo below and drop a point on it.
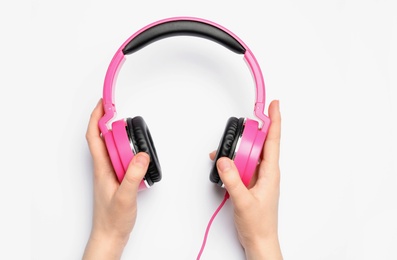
(332, 65)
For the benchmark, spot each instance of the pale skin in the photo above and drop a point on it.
(255, 207)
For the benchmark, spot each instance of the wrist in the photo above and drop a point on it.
(268, 249)
(104, 246)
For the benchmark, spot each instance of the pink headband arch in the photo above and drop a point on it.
(173, 27)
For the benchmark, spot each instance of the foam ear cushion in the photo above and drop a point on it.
(139, 133)
(233, 130)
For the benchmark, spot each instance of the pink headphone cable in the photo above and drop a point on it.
(210, 222)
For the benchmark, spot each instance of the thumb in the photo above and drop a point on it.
(134, 175)
(231, 178)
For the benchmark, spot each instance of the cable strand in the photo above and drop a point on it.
(209, 225)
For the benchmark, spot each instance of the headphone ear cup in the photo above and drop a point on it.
(227, 145)
(140, 137)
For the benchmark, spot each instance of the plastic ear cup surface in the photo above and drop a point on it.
(122, 144)
(142, 141)
(233, 130)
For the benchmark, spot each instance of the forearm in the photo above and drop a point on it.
(265, 250)
(100, 247)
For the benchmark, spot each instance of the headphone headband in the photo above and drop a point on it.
(186, 28)
(175, 26)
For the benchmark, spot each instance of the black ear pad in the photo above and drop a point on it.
(233, 130)
(139, 134)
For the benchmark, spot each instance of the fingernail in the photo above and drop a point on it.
(224, 164)
(141, 159)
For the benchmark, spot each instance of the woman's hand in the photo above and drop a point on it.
(256, 207)
(115, 206)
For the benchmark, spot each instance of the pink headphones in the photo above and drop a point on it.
(242, 139)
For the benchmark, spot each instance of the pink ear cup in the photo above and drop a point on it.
(113, 154)
(122, 143)
(119, 150)
(249, 150)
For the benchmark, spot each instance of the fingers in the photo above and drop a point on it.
(134, 175)
(93, 135)
(269, 173)
(270, 155)
(212, 155)
(231, 178)
(272, 144)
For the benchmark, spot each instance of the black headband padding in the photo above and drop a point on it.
(142, 140)
(187, 28)
(227, 145)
